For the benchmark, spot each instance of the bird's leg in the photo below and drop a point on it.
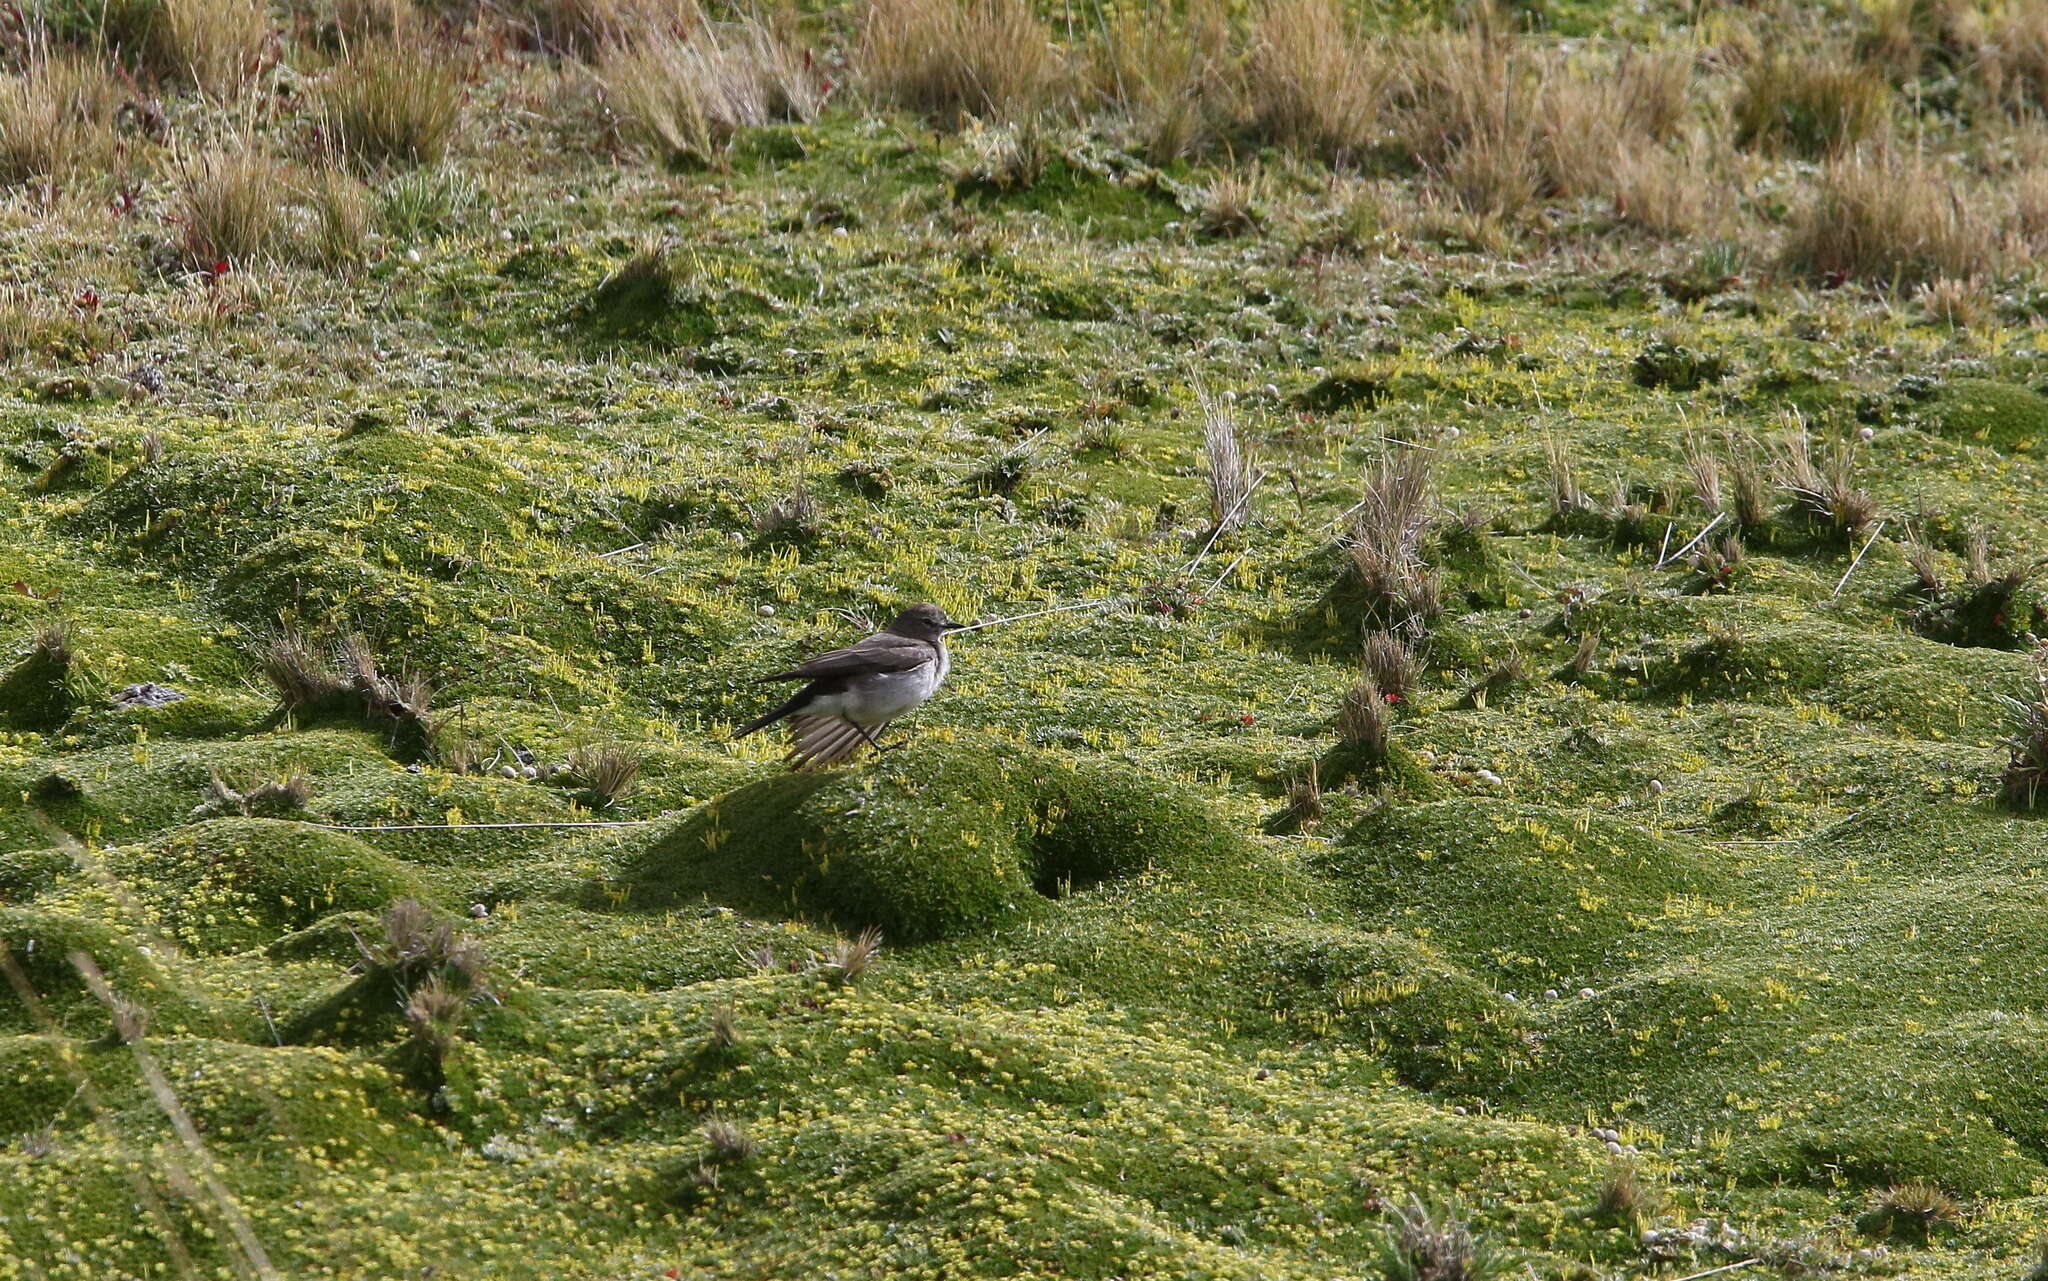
(874, 737)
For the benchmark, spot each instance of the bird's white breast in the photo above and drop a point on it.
(881, 697)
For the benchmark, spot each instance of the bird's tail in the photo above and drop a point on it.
(794, 701)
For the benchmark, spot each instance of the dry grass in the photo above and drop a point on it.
(1391, 666)
(1911, 1211)
(1176, 87)
(301, 673)
(56, 118)
(1811, 104)
(1397, 590)
(684, 96)
(1229, 465)
(1823, 488)
(339, 207)
(1363, 722)
(951, 60)
(1312, 82)
(229, 206)
(2029, 221)
(1625, 1198)
(390, 104)
(849, 959)
(216, 45)
(1422, 1245)
(1958, 304)
(605, 774)
(1890, 219)
(2026, 742)
(1232, 203)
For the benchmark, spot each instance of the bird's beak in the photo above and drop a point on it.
(953, 627)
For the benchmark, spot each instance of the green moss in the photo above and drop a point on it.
(37, 691)
(1533, 894)
(236, 883)
(1985, 412)
(938, 839)
(41, 942)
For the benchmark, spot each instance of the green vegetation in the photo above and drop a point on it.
(1550, 781)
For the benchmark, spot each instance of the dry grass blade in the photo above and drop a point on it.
(56, 115)
(302, 675)
(1893, 219)
(1312, 82)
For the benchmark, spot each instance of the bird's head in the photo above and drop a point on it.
(923, 622)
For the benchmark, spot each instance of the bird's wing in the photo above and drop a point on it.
(817, 742)
(882, 652)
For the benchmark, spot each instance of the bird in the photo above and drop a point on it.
(851, 695)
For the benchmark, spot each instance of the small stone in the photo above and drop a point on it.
(766, 611)
(1587, 994)
(1525, 612)
(1614, 1148)
(1459, 1111)
(508, 771)
(412, 255)
(1867, 434)
(528, 771)
(1656, 787)
(1452, 433)
(1550, 994)
(479, 911)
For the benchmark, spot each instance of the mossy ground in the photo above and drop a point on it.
(1741, 890)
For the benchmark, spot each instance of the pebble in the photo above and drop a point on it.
(1550, 994)
(1613, 1147)
(1587, 994)
(1656, 787)
(1527, 613)
(479, 911)
(508, 771)
(1868, 434)
(528, 771)
(1273, 390)
(1489, 778)
(412, 255)
(1459, 1111)
(766, 611)
(1452, 433)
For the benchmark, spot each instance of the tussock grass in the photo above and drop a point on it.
(1913, 1210)
(215, 45)
(1893, 219)
(56, 118)
(390, 104)
(1313, 82)
(1811, 104)
(1433, 1245)
(1391, 666)
(1226, 460)
(951, 60)
(685, 95)
(2025, 777)
(1363, 722)
(230, 206)
(1175, 87)
(605, 775)
(1383, 547)
(1823, 485)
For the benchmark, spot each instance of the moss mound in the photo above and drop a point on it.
(41, 944)
(1537, 894)
(238, 883)
(939, 839)
(1985, 412)
(36, 692)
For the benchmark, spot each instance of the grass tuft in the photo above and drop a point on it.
(1911, 1211)
(229, 207)
(1363, 722)
(1624, 1199)
(389, 104)
(1383, 547)
(955, 60)
(605, 775)
(1891, 220)
(849, 959)
(685, 95)
(1811, 104)
(2026, 742)
(1227, 462)
(1824, 488)
(1426, 1245)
